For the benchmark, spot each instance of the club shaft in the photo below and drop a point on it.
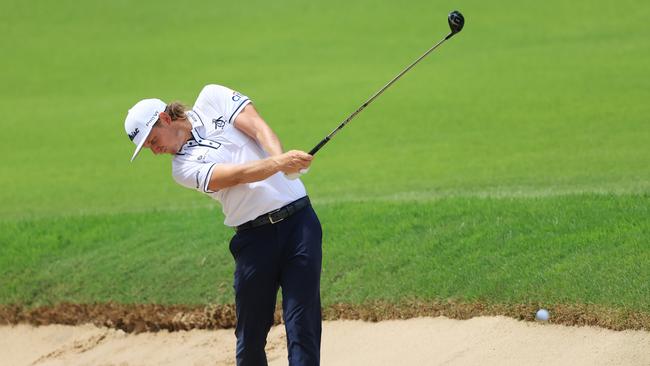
(378, 93)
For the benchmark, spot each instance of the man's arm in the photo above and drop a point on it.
(228, 175)
(251, 123)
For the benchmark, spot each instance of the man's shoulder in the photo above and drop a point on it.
(219, 96)
(211, 93)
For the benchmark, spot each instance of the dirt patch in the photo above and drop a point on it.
(573, 314)
(127, 317)
(137, 318)
(486, 341)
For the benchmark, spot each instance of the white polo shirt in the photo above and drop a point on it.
(217, 141)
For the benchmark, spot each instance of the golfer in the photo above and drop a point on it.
(223, 148)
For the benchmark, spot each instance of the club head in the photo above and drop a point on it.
(456, 21)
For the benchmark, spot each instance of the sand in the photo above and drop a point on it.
(421, 341)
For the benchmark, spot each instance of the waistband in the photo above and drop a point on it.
(275, 216)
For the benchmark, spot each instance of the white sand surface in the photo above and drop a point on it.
(421, 341)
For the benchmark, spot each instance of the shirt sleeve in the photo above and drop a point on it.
(226, 101)
(193, 175)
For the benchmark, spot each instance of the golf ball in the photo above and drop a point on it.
(542, 315)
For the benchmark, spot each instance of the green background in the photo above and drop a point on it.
(535, 116)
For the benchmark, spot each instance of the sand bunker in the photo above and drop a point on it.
(421, 341)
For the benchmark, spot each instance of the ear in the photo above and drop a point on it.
(165, 118)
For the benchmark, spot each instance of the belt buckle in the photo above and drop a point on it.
(270, 215)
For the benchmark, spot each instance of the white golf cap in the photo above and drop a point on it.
(140, 120)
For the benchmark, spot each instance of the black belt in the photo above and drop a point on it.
(275, 216)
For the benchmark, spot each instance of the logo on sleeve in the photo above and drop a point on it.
(236, 96)
(133, 134)
(219, 122)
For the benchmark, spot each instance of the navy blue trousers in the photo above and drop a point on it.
(287, 254)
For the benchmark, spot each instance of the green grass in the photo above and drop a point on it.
(528, 95)
(512, 165)
(584, 249)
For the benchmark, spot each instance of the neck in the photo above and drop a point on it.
(185, 129)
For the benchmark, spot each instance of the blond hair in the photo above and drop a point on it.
(176, 110)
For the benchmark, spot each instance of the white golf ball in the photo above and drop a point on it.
(542, 315)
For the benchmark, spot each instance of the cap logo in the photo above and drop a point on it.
(153, 118)
(133, 134)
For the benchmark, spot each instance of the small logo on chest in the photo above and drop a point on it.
(219, 123)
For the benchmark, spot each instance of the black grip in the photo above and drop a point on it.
(317, 147)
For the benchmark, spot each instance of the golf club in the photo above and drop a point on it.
(456, 22)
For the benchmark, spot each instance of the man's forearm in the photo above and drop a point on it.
(269, 141)
(252, 124)
(228, 175)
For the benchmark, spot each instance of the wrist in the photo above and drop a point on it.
(275, 163)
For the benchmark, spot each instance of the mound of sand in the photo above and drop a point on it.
(420, 341)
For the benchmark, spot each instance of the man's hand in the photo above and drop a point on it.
(292, 161)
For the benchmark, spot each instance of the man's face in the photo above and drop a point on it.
(164, 138)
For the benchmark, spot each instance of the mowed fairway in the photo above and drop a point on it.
(510, 167)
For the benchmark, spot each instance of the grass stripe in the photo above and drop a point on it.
(589, 249)
(500, 192)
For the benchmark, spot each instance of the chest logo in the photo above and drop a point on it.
(219, 123)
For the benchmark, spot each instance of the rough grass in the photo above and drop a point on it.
(582, 249)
